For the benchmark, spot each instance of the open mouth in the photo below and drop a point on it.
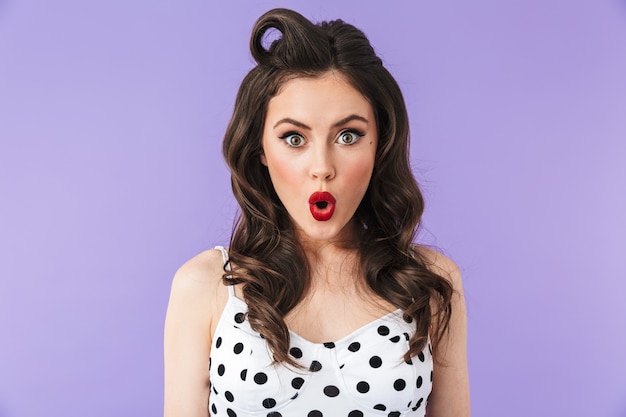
(322, 205)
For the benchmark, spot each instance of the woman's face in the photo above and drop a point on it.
(319, 145)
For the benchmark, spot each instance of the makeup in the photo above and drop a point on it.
(322, 205)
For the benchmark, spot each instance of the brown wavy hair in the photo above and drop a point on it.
(266, 256)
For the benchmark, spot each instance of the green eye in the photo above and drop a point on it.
(294, 140)
(348, 137)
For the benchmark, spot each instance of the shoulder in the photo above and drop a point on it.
(204, 269)
(196, 300)
(441, 265)
(197, 288)
(450, 391)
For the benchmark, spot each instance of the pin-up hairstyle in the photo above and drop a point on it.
(264, 252)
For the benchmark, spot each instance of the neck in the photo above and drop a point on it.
(333, 267)
(345, 240)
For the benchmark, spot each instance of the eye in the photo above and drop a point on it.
(349, 137)
(295, 140)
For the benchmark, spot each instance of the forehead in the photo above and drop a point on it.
(329, 94)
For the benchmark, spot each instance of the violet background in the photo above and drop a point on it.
(111, 176)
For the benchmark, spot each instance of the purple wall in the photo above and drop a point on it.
(111, 117)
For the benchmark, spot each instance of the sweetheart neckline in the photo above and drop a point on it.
(343, 340)
(352, 335)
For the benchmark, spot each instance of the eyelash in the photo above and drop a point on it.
(287, 135)
(356, 133)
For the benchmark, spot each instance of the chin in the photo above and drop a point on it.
(325, 231)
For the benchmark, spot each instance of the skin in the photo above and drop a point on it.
(320, 135)
(309, 145)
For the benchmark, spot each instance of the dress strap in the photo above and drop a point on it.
(231, 288)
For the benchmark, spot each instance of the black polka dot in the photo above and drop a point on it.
(229, 396)
(315, 366)
(409, 361)
(419, 403)
(431, 376)
(363, 387)
(295, 352)
(269, 402)
(419, 382)
(355, 413)
(260, 378)
(220, 370)
(420, 356)
(209, 363)
(294, 397)
(274, 414)
(315, 413)
(218, 343)
(243, 374)
(231, 413)
(395, 339)
(375, 361)
(329, 345)
(354, 346)
(394, 414)
(408, 319)
(297, 382)
(331, 391)
(430, 350)
(214, 409)
(380, 407)
(240, 317)
(214, 390)
(383, 330)
(238, 348)
(399, 384)
(406, 336)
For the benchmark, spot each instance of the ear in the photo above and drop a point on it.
(263, 160)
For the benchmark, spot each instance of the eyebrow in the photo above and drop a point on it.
(339, 123)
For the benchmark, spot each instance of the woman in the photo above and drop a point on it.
(322, 305)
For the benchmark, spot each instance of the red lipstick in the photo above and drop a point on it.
(322, 205)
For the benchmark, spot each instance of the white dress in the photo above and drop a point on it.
(362, 374)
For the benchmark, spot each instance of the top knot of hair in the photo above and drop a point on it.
(302, 45)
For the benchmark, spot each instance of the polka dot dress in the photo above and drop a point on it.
(363, 374)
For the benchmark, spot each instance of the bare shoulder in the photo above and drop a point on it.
(441, 265)
(204, 269)
(196, 301)
(450, 391)
(198, 286)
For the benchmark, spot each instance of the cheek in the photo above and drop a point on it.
(357, 179)
(357, 175)
(284, 175)
(280, 167)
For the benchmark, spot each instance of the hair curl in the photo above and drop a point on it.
(264, 251)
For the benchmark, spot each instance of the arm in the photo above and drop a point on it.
(196, 301)
(450, 393)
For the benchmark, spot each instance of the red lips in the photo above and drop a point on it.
(322, 205)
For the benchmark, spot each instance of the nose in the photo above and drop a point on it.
(322, 166)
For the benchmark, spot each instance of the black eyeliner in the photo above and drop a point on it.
(286, 135)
